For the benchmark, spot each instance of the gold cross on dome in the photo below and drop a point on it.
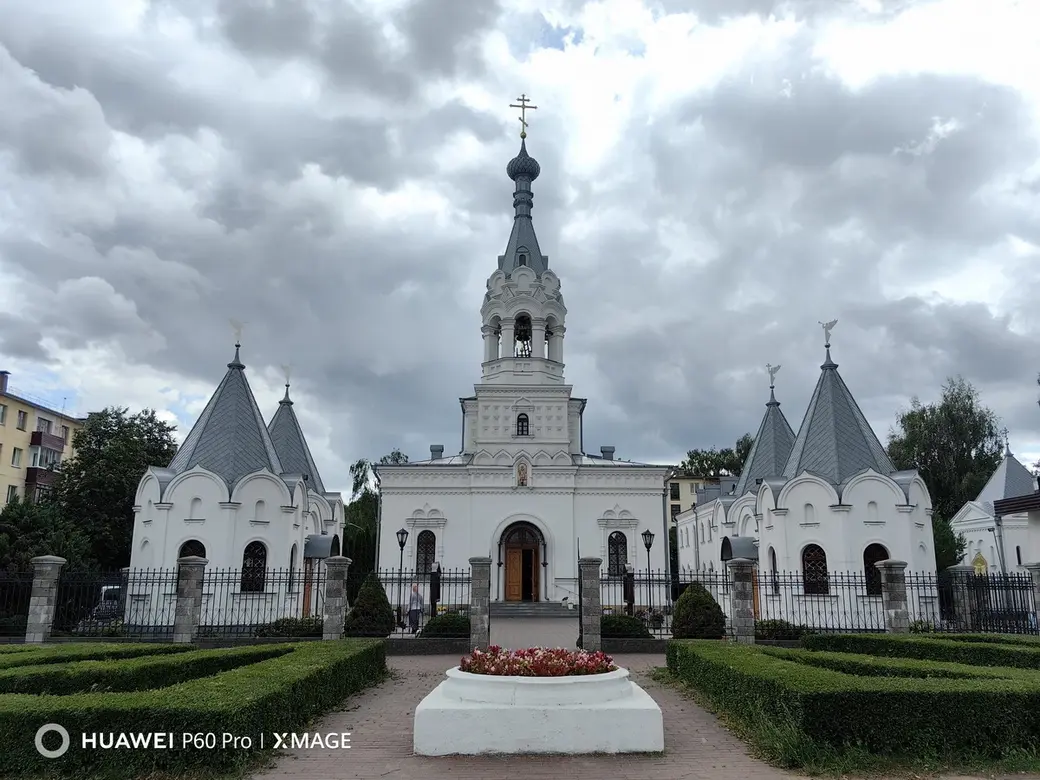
(521, 103)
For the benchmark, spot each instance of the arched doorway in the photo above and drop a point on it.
(523, 548)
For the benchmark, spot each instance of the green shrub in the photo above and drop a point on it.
(928, 648)
(447, 625)
(131, 674)
(623, 627)
(778, 630)
(869, 666)
(372, 614)
(697, 615)
(292, 627)
(86, 651)
(13, 625)
(884, 714)
(274, 696)
(922, 627)
(996, 639)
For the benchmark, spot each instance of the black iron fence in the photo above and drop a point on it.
(15, 595)
(650, 597)
(972, 603)
(416, 597)
(249, 602)
(788, 604)
(112, 604)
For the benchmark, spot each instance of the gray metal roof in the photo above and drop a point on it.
(1010, 480)
(291, 445)
(738, 547)
(770, 450)
(523, 169)
(230, 437)
(835, 441)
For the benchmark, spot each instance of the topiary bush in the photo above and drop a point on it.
(623, 627)
(697, 615)
(449, 625)
(372, 614)
(778, 630)
(292, 627)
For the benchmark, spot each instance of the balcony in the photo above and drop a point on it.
(48, 440)
(37, 477)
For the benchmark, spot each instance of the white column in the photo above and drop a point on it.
(538, 338)
(490, 343)
(508, 347)
(556, 343)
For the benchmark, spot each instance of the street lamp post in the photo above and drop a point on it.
(402, 539)
(648, 542)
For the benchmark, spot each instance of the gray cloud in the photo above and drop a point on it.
(749, 211)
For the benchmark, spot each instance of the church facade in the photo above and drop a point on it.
(824, 500)
(522, 490)
(245, 495)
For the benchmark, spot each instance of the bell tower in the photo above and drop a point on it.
(523, 314)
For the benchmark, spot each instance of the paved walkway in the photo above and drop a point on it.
(535, 632)
(380, 722)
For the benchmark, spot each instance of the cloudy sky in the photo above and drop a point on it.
(717, 177)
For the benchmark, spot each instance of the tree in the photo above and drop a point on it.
(955, 445)
(362, 515)
(97, 486)
(29, 529)
(717, 463)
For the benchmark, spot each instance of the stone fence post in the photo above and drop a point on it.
(188, 614)
(479, 603)
(893, 596)
(742, 600)
(46, 571)
(336, 568)
(1034, 575)
(963, 603)
(591, 604)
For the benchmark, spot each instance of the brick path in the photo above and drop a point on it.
(380, 722)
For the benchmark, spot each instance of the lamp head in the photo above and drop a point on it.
(402, 537)
(648, 539)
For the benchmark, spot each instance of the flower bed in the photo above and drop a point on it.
(536, 662)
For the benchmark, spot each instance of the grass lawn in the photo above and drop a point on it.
(874, 704)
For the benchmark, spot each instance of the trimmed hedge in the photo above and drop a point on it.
(130, 674)
(274, 696)
(623, 627)
(928, 648)
(292, 627)
(779, 630)
(452, 625)
(86, 651)
(697, 615)
(884, 714)
(868, 666)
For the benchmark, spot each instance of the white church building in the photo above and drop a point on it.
(247, 497)
(988, 547)
(823, 501)
(522, 490)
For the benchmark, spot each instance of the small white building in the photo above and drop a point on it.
(824, 501)
(976, 521)
(522, 490)
(247, 497)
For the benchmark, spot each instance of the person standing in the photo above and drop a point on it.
(415, 608)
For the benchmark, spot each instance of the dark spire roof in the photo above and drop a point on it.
(291, 444)
(1010, 480)
(522, 248)
(835, 441)
(230, 437)
(770, 450)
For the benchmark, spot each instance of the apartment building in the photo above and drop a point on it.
(682, 490)
(34, 440)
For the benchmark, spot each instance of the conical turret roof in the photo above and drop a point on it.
(291, 445)
(770, 450)
(1010, 480)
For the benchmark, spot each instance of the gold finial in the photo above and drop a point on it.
(521, 103)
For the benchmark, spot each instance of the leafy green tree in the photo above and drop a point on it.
(956, 446)
(97, 486)
(362, 515)
(717, 463)
(29, 529)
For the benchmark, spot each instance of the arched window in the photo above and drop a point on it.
(522, 261)
(334, 549)
(522, 337)
(1018, 554)
(260, 511)
(195, 512)
(773, 574)
(810, 514)
(617, 554)
(192, 547)
(254, 568)
(814, 571)
(523, 425)
(425, 552)
(292, 567)
(871, 555)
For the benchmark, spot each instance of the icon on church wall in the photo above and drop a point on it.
(521, 475)
(980, 564)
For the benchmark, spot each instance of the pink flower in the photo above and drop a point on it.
(536, 662)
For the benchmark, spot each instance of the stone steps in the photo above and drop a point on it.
(531, 609)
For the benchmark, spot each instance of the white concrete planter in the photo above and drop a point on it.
(475, 714)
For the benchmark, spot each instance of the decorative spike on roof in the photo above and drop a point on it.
(230, 437)
(522, 248)
(291, 444)
(772, 445)
(1010, 480)
(835, 441)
